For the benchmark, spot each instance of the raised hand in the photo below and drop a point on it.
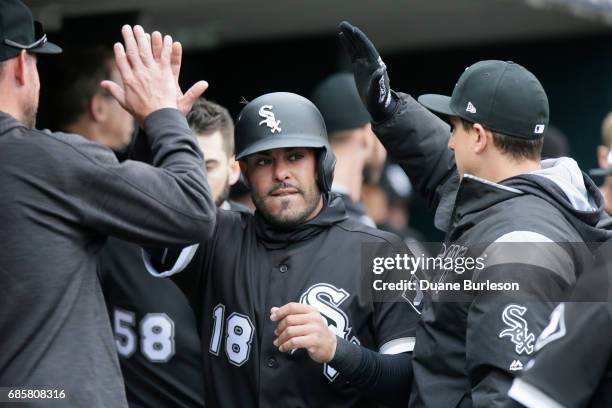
(369, 70)
(144, 64)
(184, 101)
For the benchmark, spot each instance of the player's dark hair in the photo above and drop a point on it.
(207, 117)
(515, 147)
(76, 80)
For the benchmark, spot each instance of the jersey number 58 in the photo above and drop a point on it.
(156, 335)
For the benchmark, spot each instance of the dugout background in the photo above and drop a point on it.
(576, 71)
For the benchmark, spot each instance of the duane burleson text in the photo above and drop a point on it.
(424, 285)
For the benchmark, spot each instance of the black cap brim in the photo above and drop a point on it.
(437, 103)
(46, 48)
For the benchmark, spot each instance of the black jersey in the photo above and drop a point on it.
(155, 331)
(247, 267)
(572, 366)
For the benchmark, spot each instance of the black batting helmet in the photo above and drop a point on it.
(282, 119)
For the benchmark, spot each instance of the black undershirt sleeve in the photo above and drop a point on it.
(387, 378)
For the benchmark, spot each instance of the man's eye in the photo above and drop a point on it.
(296, 156)
(262, 162)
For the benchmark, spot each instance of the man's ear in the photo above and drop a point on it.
(602, 156)
(21, 68)
(234, 171)
(243, 170)
(98, 109)
(482, 137)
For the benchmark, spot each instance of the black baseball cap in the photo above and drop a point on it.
(337, 99)
(19, 31)
(500, 95)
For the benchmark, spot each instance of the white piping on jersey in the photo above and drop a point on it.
(181, 263)
(397, 346)
(492, 184)
(530, 396)
(523, 236)
(549, 255)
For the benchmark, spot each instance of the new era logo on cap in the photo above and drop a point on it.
(470, 108)
(539, 129)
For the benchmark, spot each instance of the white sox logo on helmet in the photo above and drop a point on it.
(269, 119)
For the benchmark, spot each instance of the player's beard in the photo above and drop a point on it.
(224, 194)
(30, 110)
(289, 218)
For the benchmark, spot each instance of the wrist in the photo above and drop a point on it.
(347, 355)
(333, 348)
(384, 110)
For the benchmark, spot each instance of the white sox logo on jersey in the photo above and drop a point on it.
(517, 330)
(327, 299)
(269, 118)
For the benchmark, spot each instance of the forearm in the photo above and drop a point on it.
(168, 205)
(386, 378)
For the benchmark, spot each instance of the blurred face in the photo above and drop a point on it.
(461, 143)
(283, 185)
(222, 171)
(30, 103)
(118, 124)
(376, 161)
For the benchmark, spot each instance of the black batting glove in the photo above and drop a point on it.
(370, 72)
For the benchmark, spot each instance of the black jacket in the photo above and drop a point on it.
(61, 197)
(573, 364)
(248, 266)
(529, 229)
(169, 375)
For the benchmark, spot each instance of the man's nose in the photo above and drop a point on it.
(451, 143)
(281, 171)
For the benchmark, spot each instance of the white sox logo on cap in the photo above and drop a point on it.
(269, 118)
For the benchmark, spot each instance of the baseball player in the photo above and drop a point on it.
(355, 146)
(62, 196)
(279, 295)
(154, 326)
(572, 367)
(572, 362)
(493, 197)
